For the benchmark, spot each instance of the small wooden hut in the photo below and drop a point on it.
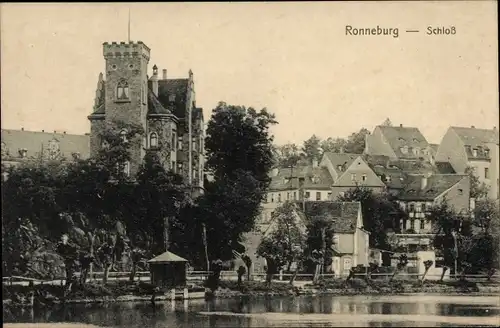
(168, 270)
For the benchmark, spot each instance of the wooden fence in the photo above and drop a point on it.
(231, 275)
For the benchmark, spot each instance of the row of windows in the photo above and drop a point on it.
(416, 150)
(354, 177)
(294, 196)
(412, 226)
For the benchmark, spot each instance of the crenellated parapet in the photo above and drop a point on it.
(126, 50)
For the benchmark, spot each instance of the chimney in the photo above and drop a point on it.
(472, 126)
(400, 125)
(154, 80)
(164, 74)
(424, 181)
(494, 128)
(43, 130)
(22, 129)
(315, 162)
(341, 149)
(64, 132)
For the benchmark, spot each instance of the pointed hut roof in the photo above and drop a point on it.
(167, 257)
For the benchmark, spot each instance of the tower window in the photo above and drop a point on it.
(153, 140)
(126, 168)
(174, 139)
(180, 143)
(123, 135)
(171, 98)
(122, 91)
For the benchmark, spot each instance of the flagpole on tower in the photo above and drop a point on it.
(128, 24)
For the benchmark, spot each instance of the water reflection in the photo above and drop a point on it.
(365, 311)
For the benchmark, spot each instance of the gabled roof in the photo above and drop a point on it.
(178, 88)
(436, 185)
(34, 142)
(474, 138)
(399, 136)
(445, 168)
(166, 258)
(340, 159)
(154, 105)
(433, 148)
(394, 172)
(344, 215)
(314, 178)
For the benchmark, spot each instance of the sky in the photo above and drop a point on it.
(294, 59)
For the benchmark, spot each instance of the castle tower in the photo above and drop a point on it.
(123, 95)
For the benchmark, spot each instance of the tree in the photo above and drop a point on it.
(311, 148)
(154, 225)
(402, 263)
(288, 155)
(333, 145)
(248, 263)
(285, 244)
(240, 156)
(238, 138)
(446, 224)
(478, 190)
(356, 142)
(380, 213)
(320, 243)
(427, 265)
(387, 122)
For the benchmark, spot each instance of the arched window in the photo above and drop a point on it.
(126, 168)
(122, 90)
(123, 135)
(153, 140)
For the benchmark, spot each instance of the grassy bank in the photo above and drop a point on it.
(47, 295)
(356, 287)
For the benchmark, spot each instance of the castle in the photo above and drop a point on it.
(165, 109)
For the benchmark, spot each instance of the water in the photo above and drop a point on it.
(319, 311)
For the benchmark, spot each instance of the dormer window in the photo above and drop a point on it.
(153, 140)
(388, 178)
(401, 139)
(339, 168)
(416, 150)
(122, 91)
(23, 152)
(404, 150)
(486, 152)
(415, 140)
(474, 152)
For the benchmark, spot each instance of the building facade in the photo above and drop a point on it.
(398, 142)
(20, 146)
(350, 171)
(419, 194)
(164, 108)
(476, 148)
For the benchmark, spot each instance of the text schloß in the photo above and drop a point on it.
(441, 30)
(394, 32)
